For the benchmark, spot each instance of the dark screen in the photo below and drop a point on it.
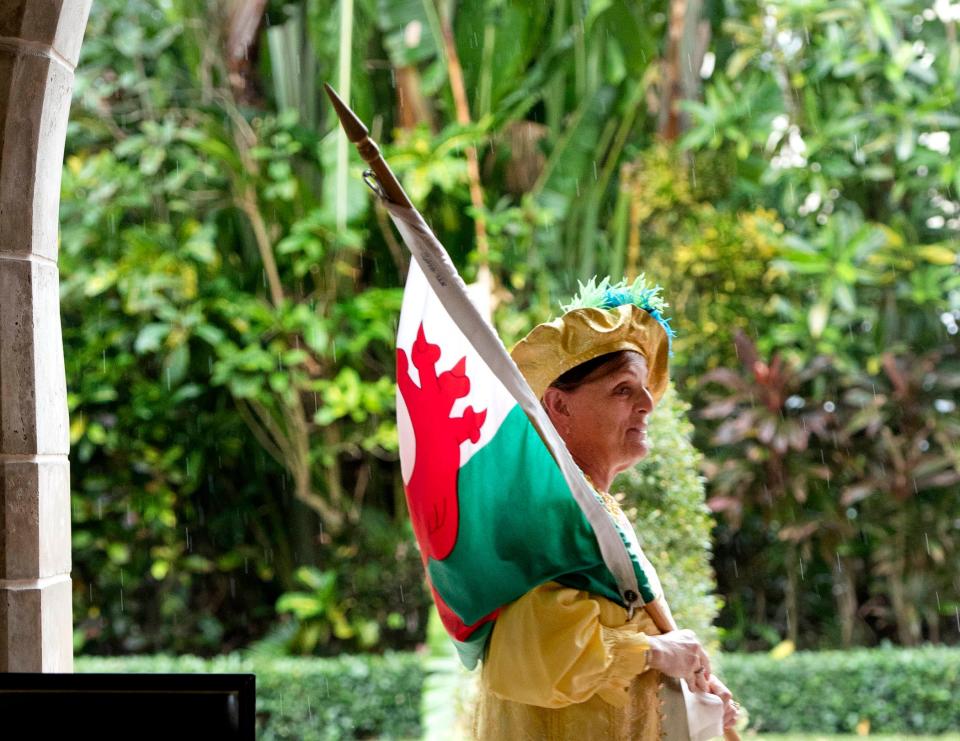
(128, 706)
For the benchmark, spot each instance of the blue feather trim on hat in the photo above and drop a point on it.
(608, 295)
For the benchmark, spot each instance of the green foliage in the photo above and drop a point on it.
(664, 498)
(853, 91)
(842, 118)
(716, 265)
(321, 615)
(229, 358)
(897, 691)
(310, 699)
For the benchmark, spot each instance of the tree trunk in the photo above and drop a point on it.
(845, 592)
(793, 631)
(687, 41)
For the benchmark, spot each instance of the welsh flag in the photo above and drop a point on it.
(498, 506)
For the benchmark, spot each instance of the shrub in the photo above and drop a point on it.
(664, 498)
(310, 699)
(894, 690)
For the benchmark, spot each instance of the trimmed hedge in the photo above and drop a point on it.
(899, 691)
(309, 698)
(896, 690)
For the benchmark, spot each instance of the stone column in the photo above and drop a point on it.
(39, 46)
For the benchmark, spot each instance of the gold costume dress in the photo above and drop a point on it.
(563, 664)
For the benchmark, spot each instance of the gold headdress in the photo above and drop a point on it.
(603, 318)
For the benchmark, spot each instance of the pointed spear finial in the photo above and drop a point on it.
(352, 125)
(359, 134)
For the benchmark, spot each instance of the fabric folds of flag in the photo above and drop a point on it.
(498, 506)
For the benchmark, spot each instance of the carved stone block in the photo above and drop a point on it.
(35, 97)
(57, 23)
(35, 628)
(35, 518)
(33, 394)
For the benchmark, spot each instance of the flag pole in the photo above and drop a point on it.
(390, 188)
(358, 133)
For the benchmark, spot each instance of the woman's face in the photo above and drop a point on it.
(604, 421)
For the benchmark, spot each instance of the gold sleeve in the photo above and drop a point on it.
(557, 646)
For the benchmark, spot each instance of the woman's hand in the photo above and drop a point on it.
(679, 654)
(731, 710)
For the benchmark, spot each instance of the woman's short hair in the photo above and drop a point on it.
(594, 369)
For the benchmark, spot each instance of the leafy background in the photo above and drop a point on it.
(786, 170)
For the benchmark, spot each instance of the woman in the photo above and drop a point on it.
(562, 662)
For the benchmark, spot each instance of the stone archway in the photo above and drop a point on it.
(39, 47)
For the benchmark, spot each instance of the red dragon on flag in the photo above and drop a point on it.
(432, 489)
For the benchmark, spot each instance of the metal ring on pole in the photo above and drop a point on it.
(370, 178)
